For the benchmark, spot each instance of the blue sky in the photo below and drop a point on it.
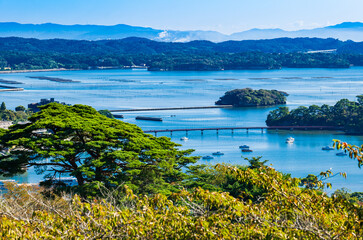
(225, 16)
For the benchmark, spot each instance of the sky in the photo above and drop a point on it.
(225, 16)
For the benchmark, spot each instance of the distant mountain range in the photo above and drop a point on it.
(344, 31)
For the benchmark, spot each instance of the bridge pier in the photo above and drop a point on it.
(232, 131)
(156, 134)
(247, 130)
(201, 132)
(261, 130)
(186, 133)
(217, 131)
(171, 133)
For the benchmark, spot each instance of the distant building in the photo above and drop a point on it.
(323, 51)
(34, 106)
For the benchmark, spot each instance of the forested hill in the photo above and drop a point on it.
(33, 54)
(135, 45)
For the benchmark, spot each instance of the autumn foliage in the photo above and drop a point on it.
(283, 211)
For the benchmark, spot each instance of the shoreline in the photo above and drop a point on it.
(70, 69)
(163, 70)
(39, 70)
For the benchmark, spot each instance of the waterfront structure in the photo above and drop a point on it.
(34, 106)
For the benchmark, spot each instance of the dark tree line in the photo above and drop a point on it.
(20, 113)
(23, 53)
(176, 62)
(134, 45)
(248, 97)
(345, 113)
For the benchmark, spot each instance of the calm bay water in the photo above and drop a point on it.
(124, 89)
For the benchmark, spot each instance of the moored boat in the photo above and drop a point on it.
(244, 147)
(184, 138)
(118, 116)
(341, 154)
(218, 153)
(247, 150)
(290, 140)
(208, 157)
(327, 148)
(149, 118)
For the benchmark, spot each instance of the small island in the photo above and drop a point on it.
(345, 115)
(248, 97)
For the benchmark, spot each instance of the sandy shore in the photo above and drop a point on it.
(39, 70)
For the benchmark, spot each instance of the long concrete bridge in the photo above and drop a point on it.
(217, 129)
(172, 108)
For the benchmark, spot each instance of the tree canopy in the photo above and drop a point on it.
(346, 114)
(248, 97)
(212, 202)
(20, 113)
(282, 211)
(96, 150)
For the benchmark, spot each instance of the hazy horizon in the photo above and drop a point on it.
(171, 29)
(226, 17)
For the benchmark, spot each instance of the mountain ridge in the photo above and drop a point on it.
(343, 31)
(137, 45)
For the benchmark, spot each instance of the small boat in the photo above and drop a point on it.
(290, 140)
(208, 157)
(327, 148)
(247, 150)
(218, 153)
(341, 154)
(68, 181)
(118, 116)
(184, 138)
(149, 118)
(244, 147)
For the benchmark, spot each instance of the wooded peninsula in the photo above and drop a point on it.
(33, 54)
(346, 114)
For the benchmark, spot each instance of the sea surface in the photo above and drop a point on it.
(129, 89)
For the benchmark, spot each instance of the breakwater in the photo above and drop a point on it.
(10, 89)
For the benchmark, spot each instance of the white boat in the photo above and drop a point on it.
(208, 157)
(68, 181)
(218, 153)
(244, 147)
(327, 148)
(184, 138)
(341, 154)
(290, 140)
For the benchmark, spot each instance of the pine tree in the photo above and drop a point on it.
(3, 107)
